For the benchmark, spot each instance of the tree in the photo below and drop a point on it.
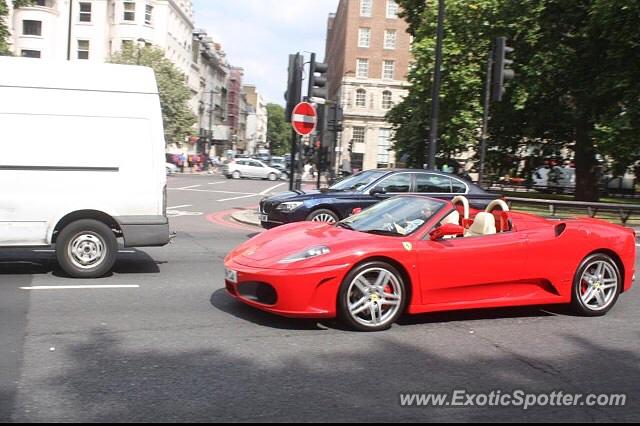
(576, 84)
(278, 130)
(177, 116)
(4, 29)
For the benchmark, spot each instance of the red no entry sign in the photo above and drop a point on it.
(304, 118)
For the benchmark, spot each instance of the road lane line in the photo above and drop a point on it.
(238, 198)
(77, 287)
(187, 187)
(216, 183)
(179, 207)
(214, 192)
(266, 191)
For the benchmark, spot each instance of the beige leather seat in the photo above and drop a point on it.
(452, 218)
(483, 224)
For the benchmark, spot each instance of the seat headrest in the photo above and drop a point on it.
(483, 224)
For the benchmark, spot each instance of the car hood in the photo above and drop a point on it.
(270, 247)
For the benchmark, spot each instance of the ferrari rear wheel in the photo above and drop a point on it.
(372, 297)
(596, 286)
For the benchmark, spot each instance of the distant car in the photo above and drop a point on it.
(171, 168)
(281, 164)
(363, 190)
(249, 168)
(555, 179)
(413, 254)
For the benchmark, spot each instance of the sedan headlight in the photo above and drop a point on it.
(289, 207)
(307, 254)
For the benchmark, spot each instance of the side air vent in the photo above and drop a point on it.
(560, 229)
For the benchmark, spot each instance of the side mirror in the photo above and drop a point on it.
(447, 230)
(378, 190)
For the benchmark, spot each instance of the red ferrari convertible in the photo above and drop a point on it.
(415, 254)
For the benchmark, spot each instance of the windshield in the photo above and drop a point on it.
(358, 181)
(399, 216)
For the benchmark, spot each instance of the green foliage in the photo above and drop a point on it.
(4, 30)
(577, 83)
(278, 130)
(177, 116)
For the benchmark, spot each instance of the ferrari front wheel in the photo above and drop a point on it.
(596, 285)
(372, 297)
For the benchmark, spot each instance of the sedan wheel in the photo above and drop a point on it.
(323, 215)
(272, 176)
(372, 297)
(236, 175)
(596, 286)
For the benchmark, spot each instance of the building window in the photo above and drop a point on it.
(30, 53)
(361, 98)
(358, 135)
(387, 101)
(129, 11)
(148, 14)
(390, 37)
(364, 37)
(392, 9)
(388, 70)
(33, 28)
(366, 7)
(384, 145)
(83, 49)
(85, 12)
(362, 68)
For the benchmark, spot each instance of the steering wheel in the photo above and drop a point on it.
(505, 222)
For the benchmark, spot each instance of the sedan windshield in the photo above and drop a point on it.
(399, 216)
(358, 181)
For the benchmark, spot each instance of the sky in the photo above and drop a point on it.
(259, 35)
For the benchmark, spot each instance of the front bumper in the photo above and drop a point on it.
(294, 293)
(278, 217)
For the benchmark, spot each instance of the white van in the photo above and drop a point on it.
(81, 161)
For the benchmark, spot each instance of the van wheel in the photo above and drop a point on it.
(86, 249)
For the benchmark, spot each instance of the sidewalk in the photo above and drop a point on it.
(247, 217)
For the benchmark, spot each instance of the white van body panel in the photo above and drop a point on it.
(77, 138)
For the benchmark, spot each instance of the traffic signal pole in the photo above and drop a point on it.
(485, 118)
(435, 96)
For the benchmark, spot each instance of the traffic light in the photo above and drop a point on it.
(294, 84)
(501, 72)
(317, 83)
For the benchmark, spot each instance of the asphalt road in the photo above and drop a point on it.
(176, 348)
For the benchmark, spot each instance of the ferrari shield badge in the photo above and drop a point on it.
(408, 246)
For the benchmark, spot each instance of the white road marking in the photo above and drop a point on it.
(266, 191)
(238, 198)
(216, 183)
(179, 207)
(213, 191)
(187, 187)
(78, 287)
(53, 251)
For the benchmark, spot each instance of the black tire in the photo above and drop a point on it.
(319, 214)
(97, 232)
(346, 316)
(577, 303)
(228, 176)
(236, 175)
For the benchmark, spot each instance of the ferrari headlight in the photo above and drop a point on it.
(290, 206)
(307, 254)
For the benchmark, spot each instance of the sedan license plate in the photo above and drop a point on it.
(264, 218)
(231, 276)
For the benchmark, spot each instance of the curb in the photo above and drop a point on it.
(247, 217)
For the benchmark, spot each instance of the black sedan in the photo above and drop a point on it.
(363, 190)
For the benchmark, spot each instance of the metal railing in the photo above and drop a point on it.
(624, 211)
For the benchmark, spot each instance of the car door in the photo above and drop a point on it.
(257, 169)
(471, 269)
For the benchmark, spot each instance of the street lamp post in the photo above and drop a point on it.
(435, 97)
(69, 30)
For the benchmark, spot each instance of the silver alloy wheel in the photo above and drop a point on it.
(272, 176)
(236, 175)
(324, 217)
(87, 250)
(598, 285)
(374, 297)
